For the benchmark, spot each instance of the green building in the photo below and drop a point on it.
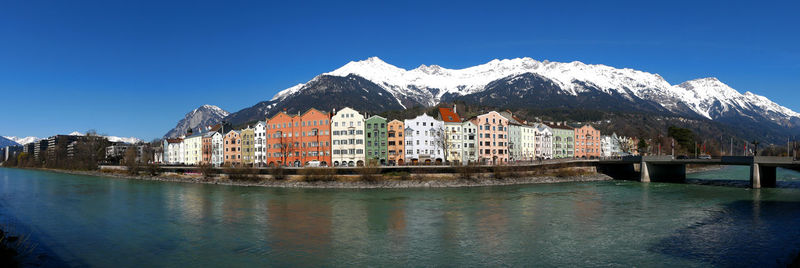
(375, 138)
(563, 141)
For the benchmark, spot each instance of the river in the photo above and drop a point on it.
(93, 221)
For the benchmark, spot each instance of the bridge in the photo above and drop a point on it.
(665, 168)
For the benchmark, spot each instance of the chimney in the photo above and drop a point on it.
(454, 108)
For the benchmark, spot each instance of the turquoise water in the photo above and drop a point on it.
(91, 221)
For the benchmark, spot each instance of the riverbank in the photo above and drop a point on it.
(353, 182)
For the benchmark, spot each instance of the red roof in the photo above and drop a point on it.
(448, 115)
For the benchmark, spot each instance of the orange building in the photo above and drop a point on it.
(206, 146)
(294, 140)
(315, 137)
(492, 138)
(587, 142)
(282, 147)
(396, 145)
(233, 148)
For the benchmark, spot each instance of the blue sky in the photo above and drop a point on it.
(134, 68)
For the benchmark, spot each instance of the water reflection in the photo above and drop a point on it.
(136, 223)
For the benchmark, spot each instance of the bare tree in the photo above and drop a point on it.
(442, 140)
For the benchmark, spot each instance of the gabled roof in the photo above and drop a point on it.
(314, 109)
(279, 113)
(175, 140)
(560, 127)
(448, 115)
(378, 116)
(401, 122)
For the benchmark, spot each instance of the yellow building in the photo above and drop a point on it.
(248, 145)
(193, 149)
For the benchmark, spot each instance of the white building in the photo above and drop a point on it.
(173, 151)
(217, 149)
(527, 145)
(470, 142)
(544, 142)
(347, 135)
(260, 144)
(193, 146)
(610, 145)
(425, 142)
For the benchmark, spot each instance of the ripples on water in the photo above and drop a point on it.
(112, 222)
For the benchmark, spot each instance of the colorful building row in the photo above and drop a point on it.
(349, 138)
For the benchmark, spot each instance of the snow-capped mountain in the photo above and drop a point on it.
(22, 140)
(129, 140)
(205, 115)
(429, 85)
(7, 142)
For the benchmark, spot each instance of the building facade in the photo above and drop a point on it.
(395, 143)
(348, 138)
(587, 142)
(425, 141)
(375, 138)
(469, 142)
(527, 143)
(248, 135)
(543, 142)
(563, 141)
(260, 145)
(315, 137)
(193, 146)
(281, 149)
(492, 138)
(453, 127)
(217, 149)
(173, 151)
(233, 148)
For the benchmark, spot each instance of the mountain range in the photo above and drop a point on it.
(202, 116)
(22, 140)
(374, 86)
(26, 140)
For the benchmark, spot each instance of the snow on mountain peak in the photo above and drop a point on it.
(22, 140)
(212, 108)
(427, 84)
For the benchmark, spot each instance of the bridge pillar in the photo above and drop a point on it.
(645, 172)
(755, 176)
(763, 176)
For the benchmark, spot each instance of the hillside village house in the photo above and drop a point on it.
(348, 138)
(396, 142)
(260, 145)
(453, 135)
(492, 138)
(233, 148)
(587, 142)
(425, 143)
(375, 138)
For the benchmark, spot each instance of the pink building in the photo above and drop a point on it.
(492, 138)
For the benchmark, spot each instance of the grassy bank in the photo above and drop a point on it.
(362, 177)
